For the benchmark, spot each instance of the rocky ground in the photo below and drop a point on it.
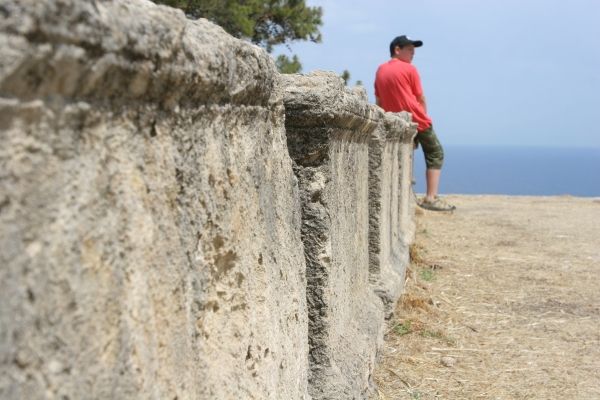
(502, 302)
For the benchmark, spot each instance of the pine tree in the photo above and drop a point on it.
(287, 66)
(265, 22)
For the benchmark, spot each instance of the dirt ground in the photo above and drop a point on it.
(502, 301)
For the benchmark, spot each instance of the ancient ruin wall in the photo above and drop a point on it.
(407, 198)
(329, 128)
(390, 165)
(150, 219)
(157, 239)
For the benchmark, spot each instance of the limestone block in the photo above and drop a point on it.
(407, 196)
(388, 248)
(328, 129)
(149, 215)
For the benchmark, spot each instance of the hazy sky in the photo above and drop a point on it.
(495, 72)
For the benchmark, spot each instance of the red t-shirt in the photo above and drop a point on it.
(398, 86)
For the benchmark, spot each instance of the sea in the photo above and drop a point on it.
(507, 170)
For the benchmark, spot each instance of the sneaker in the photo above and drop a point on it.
(438, 204)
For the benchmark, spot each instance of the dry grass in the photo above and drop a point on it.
(510, 307)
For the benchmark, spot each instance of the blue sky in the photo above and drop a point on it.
(495, 72)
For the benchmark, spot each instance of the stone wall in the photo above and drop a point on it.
(150, 217)
(391, 208)
(163, 236)
(350, 159)
(328, 130)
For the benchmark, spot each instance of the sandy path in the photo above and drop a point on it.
(503, 302)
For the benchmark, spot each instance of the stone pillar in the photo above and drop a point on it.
(328, 129)
(150, 220)
(388, 251)
(407, 195)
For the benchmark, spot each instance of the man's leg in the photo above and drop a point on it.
(434, 159)
(432, 177)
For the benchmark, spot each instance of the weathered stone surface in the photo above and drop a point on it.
(328, 129)
(154, 243)
(407, 196)
(389, 160)
(117, 52)
(150, 243)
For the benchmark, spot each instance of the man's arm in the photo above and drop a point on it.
(422, 101)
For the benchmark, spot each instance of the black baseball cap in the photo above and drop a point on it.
(403, 41)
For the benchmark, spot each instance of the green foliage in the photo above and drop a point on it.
(403, 328)
(415, 394)
(432, 334)
(427, 274)
(345, 76)
(265, 22)
(438, 335)
(287, 66)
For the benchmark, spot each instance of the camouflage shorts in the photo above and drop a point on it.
(432, 148)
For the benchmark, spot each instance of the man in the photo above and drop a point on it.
(398, 88)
